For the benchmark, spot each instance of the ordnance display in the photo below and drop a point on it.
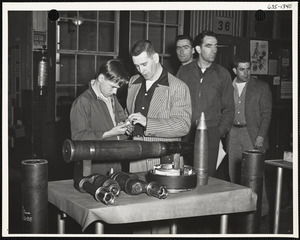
(132, 185)
(114, 150)
(106, 151)
(201, 152)
(100, 193)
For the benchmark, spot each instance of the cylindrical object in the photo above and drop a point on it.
(128, 182)
(99, 227)
(78, 182)
(101, 194)
(174, 183)
(224, 224)
(201, 152)
(132, 185)
(114, 150)
(277, 200)
(252, 176)
(156, 190)
(173, 228)
(35, 196)
(61, 217)
(43, 72)
(109, 183)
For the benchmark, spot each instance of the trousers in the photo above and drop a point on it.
(238, 142)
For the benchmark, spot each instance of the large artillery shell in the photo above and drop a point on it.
(201, 152)
(35, 196)
(121, 150)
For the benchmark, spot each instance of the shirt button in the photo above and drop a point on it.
(238, 112)
(146, 94)
(143, 108)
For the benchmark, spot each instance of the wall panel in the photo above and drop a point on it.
(203, 20)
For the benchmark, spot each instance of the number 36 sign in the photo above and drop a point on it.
(222, 25)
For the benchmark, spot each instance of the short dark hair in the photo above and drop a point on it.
(240, 59)
(114, 70)
(199, 38)
(141, 46)
(183, 37)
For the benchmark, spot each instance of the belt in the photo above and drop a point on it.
(240, 125)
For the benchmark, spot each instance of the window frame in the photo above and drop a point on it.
(77, 52)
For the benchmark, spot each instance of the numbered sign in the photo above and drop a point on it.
(222, 25)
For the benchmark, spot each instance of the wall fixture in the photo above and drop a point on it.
(78, 21)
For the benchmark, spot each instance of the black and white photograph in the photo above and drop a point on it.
(150, 119)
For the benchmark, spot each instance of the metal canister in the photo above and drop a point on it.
(43, 72)
(35, 196)
(252, 176)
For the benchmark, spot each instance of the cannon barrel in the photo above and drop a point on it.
(114, 150)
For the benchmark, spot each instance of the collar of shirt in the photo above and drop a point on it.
(162, 80)
(234, 83)
(210, 68)
(95, 86)
(109, 101)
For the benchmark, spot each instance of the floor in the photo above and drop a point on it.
(205, 225)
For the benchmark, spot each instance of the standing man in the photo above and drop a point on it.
(159, 104)
(211, 92)
(184, 49)
(253, 110)
(97, 114)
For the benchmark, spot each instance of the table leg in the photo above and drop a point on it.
(224, 224)
(99, 228)
(278, 199)
(61, 216)
(173, 229)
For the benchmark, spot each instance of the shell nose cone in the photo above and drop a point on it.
(202, 124)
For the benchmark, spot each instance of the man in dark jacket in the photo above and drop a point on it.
(211, 92)
(253, 110)
(97, 114)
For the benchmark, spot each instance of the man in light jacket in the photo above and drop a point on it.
(159, 104)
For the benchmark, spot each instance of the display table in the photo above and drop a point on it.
(217, 198)
(280, 164)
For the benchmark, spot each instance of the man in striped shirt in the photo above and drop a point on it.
(159, 104)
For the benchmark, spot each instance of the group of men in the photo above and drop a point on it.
(162, 107)
(240, 109)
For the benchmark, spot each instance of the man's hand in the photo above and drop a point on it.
(120, 129)
(135, 118)
(259, 142)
